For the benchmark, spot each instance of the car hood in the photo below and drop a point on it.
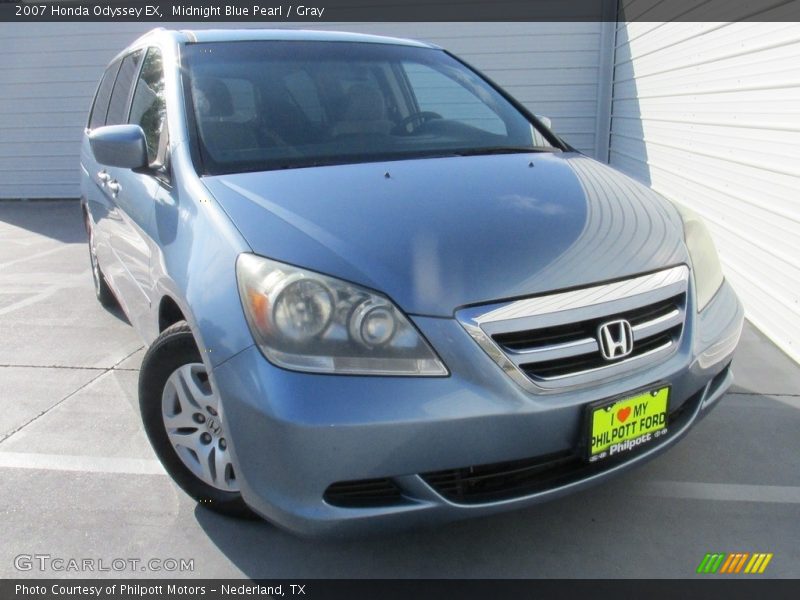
(440, 233)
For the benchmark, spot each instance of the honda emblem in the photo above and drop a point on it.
(615, 339)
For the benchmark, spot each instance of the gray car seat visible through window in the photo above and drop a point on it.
(364, 113)
(222, 134)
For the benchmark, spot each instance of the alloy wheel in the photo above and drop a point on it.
(190, 410)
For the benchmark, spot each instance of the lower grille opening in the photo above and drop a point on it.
(514, 479)
(364, 493)
(498, 481)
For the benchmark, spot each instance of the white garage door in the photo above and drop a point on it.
(49, 72)
(708, 114)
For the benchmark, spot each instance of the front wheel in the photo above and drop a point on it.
(182, 417)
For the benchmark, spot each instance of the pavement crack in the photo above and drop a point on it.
(44, 412)
(102, 372)
(55, 367)
(785, 395)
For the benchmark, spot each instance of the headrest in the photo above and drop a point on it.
(212, 97)
(364, 103)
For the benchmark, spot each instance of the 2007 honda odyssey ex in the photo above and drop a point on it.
(377, 291)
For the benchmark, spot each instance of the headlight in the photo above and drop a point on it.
(305, 321)
(705, 261)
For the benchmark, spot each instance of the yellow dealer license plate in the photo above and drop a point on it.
(623, 425)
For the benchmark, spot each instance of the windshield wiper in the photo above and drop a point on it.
(503, 150)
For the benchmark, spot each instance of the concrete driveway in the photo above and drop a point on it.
(79, 479)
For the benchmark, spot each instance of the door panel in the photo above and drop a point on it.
(131, 195)
(93, 176)
(118, 198)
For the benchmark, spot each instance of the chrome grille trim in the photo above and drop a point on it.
(578, 347)
(657, 325)
(659, 298)
(564, 301)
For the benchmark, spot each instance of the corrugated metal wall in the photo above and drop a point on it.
(708, 114)
(49, 72)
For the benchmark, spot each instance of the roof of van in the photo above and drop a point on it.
(231, 35)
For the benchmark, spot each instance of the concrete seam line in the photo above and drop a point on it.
(784, 394)
(69, 368)
(53, 367)
(7, 436)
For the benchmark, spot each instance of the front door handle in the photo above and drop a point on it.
(103, 176)
(114, 187)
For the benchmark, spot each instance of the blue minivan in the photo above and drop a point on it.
(377, 291)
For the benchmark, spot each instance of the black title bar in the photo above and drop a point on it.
(390, 589)
(271, 11)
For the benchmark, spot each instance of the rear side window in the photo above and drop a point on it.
(118, 106)
(148, 109)
(97, 118)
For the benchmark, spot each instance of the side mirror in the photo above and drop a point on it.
(545, 121)
(119, 146)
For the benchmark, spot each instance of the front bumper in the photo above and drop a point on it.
(294, 434)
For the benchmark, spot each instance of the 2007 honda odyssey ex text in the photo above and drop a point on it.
(377, 291)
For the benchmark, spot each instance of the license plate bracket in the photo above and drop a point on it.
(617, 426)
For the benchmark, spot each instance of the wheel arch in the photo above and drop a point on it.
(169, 312)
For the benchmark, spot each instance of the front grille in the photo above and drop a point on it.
(551, 342)
(656, 326)
(364, 493)
(571, 332)
(515, 479)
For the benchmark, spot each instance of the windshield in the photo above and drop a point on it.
(262, 105)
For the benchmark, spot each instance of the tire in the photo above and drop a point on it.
(101, 288)
(172, 384)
